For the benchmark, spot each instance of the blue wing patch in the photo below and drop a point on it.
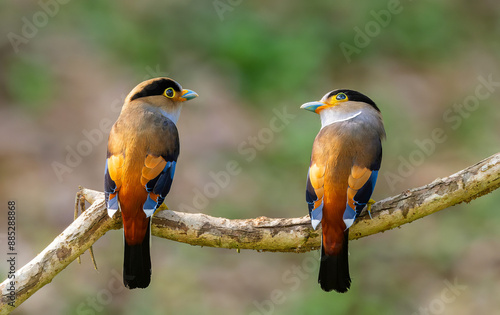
(112, 182)
(349, 216)
(314, 194)
(158, 188)
(360, 200)
(364, 193)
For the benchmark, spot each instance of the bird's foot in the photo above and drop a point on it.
(369, 207)
(161, 208)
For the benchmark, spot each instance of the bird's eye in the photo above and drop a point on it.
(169, 92)
(341, 96)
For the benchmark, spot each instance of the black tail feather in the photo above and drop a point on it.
(334, 270)
(137, 263)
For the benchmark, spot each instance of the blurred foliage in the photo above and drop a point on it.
(30, 83)
(248, 60)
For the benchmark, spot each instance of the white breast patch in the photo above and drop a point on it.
(330, 116)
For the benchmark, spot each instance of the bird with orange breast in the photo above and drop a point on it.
(143, 147)
(345, 161)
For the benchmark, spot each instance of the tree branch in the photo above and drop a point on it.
(265, 234)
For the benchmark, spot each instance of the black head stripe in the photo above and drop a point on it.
(156, 87)
(355, 97)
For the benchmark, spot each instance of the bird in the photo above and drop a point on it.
(345, 160)
(142, 151)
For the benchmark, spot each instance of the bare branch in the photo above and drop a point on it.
(265, 234)
(65, 248)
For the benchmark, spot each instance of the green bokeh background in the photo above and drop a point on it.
(247, 59)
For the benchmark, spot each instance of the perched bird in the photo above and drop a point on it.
(345, 160)
(143, 147)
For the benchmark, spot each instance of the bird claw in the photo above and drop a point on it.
(161, 208)
(369, 207)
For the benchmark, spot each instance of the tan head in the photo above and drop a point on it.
(161, 92)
